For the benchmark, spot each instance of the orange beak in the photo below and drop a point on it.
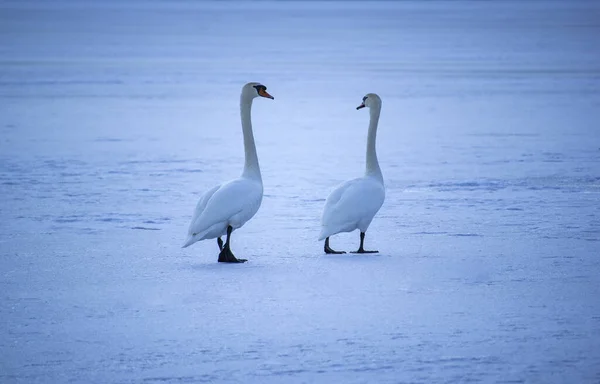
(264, 93)
(361, 106)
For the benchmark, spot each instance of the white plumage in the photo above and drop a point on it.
(234, 203)
(353, 204)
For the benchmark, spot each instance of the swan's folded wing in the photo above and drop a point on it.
(239, 198)
(337, 198)
(201, 206)
(337, 193)
(350, 203)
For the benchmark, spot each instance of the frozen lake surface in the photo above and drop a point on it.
(115, 117)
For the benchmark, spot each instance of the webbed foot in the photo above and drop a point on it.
(363, 251)
(226, 256)
(330, 251)
(362, 242)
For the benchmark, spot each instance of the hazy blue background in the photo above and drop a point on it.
(115, 117)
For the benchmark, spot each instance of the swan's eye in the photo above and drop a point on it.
(364, 99)
(260, 87)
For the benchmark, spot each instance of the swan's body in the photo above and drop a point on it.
(231, 204)
(353, 204)
(227, 207)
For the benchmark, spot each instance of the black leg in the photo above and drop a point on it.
(361, 249)
(226, 256)
(220, 243)
(327, 249)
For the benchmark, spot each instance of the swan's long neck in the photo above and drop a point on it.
(251, 168)
(372, 162)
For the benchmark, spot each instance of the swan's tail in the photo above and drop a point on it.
(203, 235)
(325, 232)
(331, 230)
(189, 241)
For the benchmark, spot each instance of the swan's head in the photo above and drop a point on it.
(370, 100)
(253, 90)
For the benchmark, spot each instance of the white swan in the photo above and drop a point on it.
(227, 207)
(354, 203)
